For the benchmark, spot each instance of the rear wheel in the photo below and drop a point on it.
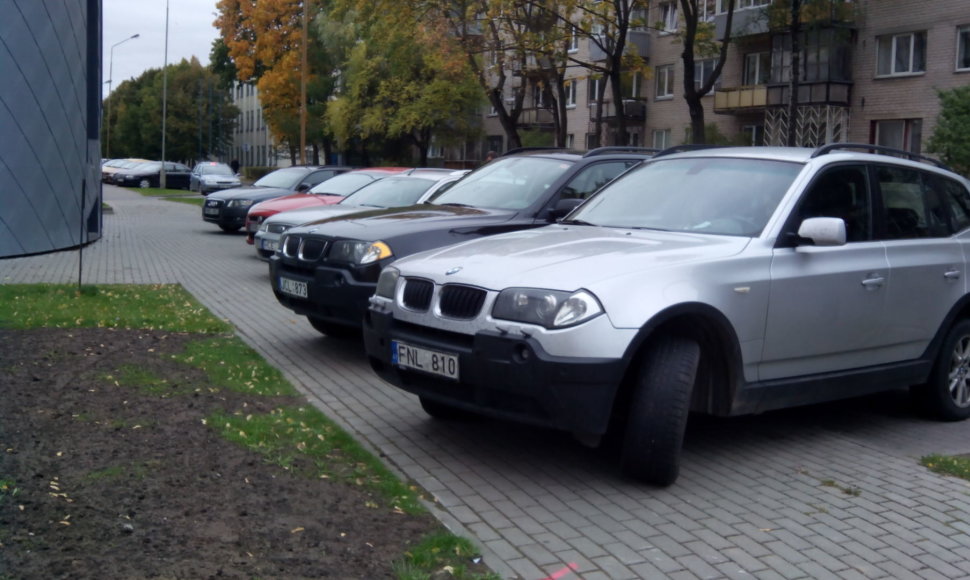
(332, 329)
(658, 411)
(946, 395)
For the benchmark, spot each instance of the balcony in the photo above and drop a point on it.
(776, 17)
(633, 111)
(754, 98)
(536, 119)
(637, 42)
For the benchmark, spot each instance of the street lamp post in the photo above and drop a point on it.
(111, 63)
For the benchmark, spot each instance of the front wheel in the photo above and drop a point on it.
(658, 411)
(946, 395)
(144, 183)
(229, 229)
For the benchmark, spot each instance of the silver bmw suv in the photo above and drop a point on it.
(720, 281)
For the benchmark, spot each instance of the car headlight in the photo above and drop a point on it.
(358, 252)
(387, 283)
(549, 308)
(240, 203)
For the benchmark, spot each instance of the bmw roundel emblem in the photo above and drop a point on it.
(454, 270)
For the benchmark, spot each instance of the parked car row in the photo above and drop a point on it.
(619, 291)
(144, 173)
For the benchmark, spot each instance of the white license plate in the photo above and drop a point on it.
(425, 360)
(210, 211)
(269, 245)
(293, 287)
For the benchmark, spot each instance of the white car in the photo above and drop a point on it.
(393, 191)
(719, 281)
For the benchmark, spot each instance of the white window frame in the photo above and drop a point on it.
(703, 69)
(892, 43)
(573, 41)
(569, 88)
(668, 17)
(661, 138)
(754, 63)
(963, 48)
(722, 5)
(664, 86)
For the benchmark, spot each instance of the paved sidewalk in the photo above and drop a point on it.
(831, 491)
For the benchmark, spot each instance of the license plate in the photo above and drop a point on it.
(425, 360)
(270, 245)
(211, 211)
(293, 287)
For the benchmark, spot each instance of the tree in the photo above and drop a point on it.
(951, 137)
(698, 40)
(200, 122)
(264, 39)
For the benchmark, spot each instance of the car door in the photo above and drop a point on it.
(827, 305)
(927, 261)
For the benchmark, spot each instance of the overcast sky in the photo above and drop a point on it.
(190, 33)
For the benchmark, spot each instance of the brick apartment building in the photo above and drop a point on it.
(870, 72)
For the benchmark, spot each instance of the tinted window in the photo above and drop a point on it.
(317, 177)
(958, 199)
(593, 177)
(841, 192)
(912, 208)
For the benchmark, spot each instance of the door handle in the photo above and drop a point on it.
(952, 274)
(873, 282)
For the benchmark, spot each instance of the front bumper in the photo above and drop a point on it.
(333, 294)
(503, 376)
(231, 216)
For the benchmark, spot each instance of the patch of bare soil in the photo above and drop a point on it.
(116, 482)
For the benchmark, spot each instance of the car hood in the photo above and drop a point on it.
(252, 192)
(295, 201)
(388, 223)
(565, 257)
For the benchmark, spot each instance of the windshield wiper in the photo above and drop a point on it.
(455, 204)
(577, 223)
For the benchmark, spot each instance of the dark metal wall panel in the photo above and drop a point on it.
(50, 192)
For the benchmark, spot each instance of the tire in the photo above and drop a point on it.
(144, 183)
(946, 396)
(331, 329)
(229, 229)
(442, 411)
(658, 411)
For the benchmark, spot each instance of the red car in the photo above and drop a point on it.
(326, 193)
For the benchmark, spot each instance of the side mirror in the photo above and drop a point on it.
(303, 188)
(563, 207)
(823, 231)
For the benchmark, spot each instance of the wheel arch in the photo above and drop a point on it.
(960, 311)
(719, 375)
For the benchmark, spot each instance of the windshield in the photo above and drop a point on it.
(343, 184)
(287, 178)
(391, 192)
(216, 170)
(509, 183)
(706, 195)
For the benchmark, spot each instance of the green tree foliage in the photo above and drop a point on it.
(951, 138)
(200, 118)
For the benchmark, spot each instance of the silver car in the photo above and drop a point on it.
(719, 281)
(209, 176)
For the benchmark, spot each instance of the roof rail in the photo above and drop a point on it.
(829, 147)
(686, 147)
(619, 149)
(527, 149)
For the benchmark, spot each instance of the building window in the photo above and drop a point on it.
(661, 138)
(963, 48)
(905, 134)
(754, 135)
(668, 16)
(703, 69)
(901, 54)
(573, 40)
(665, 81)
(757, 66)
(570, 140)
(594, 89)
(570, 90)
(722, 5)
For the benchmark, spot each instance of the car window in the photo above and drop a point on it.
(343, 184)
(391, 192)
(317, 177)
(593, 177)
(724, 196)
(506, 183)
(841, 192)
(957, 198)
(912, 208)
